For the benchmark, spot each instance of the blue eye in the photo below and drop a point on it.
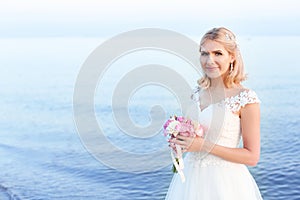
(203, 53)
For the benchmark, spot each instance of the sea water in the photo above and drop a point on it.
(42, 155)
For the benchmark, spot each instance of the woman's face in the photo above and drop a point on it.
(214, 59)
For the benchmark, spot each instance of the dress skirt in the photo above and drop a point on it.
(214, 181)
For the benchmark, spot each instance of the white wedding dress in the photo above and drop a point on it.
(212, 178)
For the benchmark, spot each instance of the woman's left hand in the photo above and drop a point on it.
(188, 144)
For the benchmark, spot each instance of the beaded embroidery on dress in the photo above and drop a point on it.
(209, 177)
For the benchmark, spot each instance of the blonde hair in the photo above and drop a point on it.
(228, 40)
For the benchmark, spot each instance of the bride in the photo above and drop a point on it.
(216, 164)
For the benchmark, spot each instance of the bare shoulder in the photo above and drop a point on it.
(236, 91)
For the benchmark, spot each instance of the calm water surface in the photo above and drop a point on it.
(41, 154)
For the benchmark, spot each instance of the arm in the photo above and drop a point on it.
(248, 154)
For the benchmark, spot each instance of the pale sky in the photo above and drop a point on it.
(91, 18)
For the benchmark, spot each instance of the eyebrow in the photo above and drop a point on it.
(214, 51)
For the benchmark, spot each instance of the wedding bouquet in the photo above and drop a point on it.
(183, 126)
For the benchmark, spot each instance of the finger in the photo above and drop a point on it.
(174, 140)
(181, 137)
(180, 142)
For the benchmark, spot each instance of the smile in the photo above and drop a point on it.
(211, 68)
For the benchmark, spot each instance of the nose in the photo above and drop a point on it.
(210, 59)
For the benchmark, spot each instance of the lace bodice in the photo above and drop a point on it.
(222, 125)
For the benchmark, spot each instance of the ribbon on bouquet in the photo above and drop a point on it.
(179, 166)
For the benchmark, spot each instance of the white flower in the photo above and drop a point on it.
(172, 127)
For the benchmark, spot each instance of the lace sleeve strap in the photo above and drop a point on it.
(248, 97)
(241, 100)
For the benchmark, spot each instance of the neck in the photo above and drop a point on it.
(217, 83)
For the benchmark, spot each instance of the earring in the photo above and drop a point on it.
(231, 67)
